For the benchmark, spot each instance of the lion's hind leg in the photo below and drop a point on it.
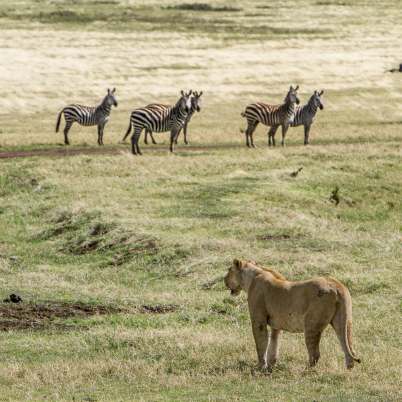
(315, 321)
(312, 339)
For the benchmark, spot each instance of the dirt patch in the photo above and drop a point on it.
(107, 150)
(201, 7)
(158, 308)
(283, 236)
(47, 315)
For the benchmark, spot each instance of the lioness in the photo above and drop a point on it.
(305, 306)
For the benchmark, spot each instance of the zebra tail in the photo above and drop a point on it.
(128, 131)
(243, 114)
(58, 121)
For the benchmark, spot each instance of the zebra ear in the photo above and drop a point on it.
(291, 88)
(322, 91)
(113, 90)
(182, 93)
(191, 91)
(296, 88)
(200, 94)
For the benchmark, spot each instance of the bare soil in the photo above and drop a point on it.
(112, 150)
(41, 316)
(47, 314)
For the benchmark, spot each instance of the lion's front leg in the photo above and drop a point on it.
(260, 333)
(273, 348)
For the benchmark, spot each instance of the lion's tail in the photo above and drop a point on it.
(342, 323)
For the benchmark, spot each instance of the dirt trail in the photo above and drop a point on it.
(107, 150)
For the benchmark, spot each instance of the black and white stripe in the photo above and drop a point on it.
(271, 115)
(304, 115)
(159, 119)
(88, 115)
(195, 107)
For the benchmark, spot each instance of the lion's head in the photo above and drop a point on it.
(233, 277)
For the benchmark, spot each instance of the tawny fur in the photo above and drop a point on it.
(302, 306)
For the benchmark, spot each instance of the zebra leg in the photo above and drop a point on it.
(284, 130)
(252, 140)
(66, 130)
(135, 149)
(185, 134)
(137, 135)
(152, 138)
(173, 137)
(306, 133)
(251, 125)
(271, 135)
(146, 137)
(246, 134)
(177, 136)
(102, 132)
(99, 135)
(247, 140)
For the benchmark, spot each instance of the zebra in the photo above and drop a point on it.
(304, 116)
(195, 107)
(271, 115)
(159, 120)
(88, 115)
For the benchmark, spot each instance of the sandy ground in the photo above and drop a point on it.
(43, 69)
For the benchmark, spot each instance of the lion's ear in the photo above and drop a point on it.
(237, 263)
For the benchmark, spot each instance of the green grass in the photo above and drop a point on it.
(219, 206)
(161, 230)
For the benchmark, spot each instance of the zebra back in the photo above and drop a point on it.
(159, 118)
(271, 115)
(90, 115)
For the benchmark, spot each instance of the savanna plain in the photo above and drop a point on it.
(120, 259)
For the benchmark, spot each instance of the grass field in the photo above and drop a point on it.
(120, 259)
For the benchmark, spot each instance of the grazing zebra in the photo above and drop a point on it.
(88, 115)
(271, 115)
(159, 120)
(195, 107)
(304, 116)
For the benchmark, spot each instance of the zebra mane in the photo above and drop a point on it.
(177, 104)
(103, 104)
(310, 105)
